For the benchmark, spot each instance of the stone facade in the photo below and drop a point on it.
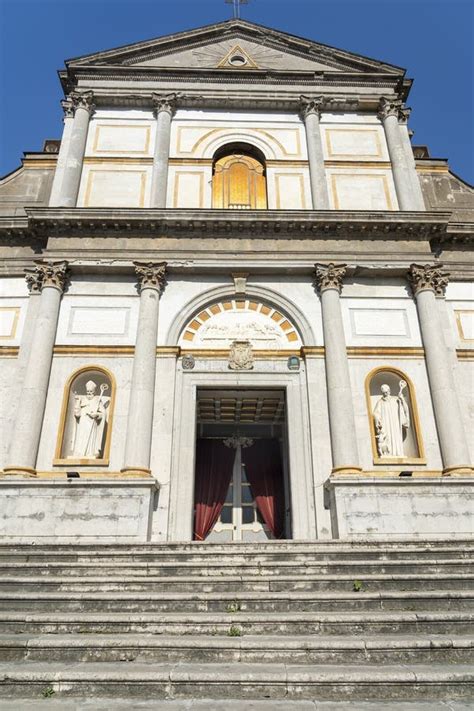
(145, 306)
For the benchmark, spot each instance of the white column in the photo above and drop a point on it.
(32, 397)
(345, 455)
(83, 109)
(410, 159)
(389, 113)
(427, 281)
(164, 108)
(151, 278)
(68, 108)
(311, 111)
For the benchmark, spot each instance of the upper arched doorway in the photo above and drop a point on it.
(239, 178)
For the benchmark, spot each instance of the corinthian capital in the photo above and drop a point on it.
(392, 107)
(329, 276)
(430, 277)
(151, 275)
(311, 105)
(83, 100)
(54, 274)
(68, 108)
(164, 102)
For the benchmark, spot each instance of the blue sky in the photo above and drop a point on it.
(433, 39)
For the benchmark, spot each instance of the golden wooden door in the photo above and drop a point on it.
(239, 183)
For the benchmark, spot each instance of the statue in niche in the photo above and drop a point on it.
(90, 413)
(392, 421)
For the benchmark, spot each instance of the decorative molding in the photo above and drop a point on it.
(164, 102)
(151, 275)
(423, 277)
(329, 276)
(392, 107)
(51, 274)
(84, 100)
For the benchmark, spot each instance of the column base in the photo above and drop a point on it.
(464, 469)
(19, 471)
(346, 470)
(136, 471)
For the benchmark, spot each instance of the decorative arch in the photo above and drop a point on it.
(207, 145)
(238, 318)
(77, 427)
(239, 178)
(413, 449)
(255, 293)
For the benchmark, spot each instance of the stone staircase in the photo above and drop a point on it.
(278, 625)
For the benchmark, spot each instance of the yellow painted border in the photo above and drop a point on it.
(180, 173)
(329, 146)
(58, 460)
(421, 459)
(141, 197)
(300, 177)
(458, 313)
(384, 178)
(99, 127)
(16, 310)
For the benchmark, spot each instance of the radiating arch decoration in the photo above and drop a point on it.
(228, 320)
(85, 426)
(393, 417)
(239, 178)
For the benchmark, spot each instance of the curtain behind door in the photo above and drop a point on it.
(214, 464)
(265, 475)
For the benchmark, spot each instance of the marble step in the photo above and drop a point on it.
(244, 623)
(238, 681)
(235, 601)
(227, 567)
(300, 649)
(239, 583)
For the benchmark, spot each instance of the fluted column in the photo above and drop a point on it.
(151, 280)
(50, 278)
(311, 111)
(164, 108)
(427, 281)
(83, 108)
(390, 113)
(345, 455)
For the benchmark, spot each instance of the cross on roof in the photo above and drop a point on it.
(236, 5)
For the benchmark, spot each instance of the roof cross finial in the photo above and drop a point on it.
(236, 6)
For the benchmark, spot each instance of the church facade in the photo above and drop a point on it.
(236, 303)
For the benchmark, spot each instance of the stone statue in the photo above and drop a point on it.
(90, 415)
(392, 420)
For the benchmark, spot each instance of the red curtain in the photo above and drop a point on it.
(264, 472)
(214, 464)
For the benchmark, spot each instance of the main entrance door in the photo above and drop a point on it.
(243, 493)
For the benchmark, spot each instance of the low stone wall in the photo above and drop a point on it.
(76, 511)
(371, 507)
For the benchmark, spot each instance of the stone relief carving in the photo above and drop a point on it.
(240, 355)
(151, 275)
(188, 362)
(241, 331)
(54, 274)
(392, 420)
(428, 276)
(90, 417)
(84, 100)
(163, 102)
(329, 276)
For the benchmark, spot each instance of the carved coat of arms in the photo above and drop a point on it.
(240, 355)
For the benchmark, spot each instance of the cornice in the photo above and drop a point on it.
(328, 223)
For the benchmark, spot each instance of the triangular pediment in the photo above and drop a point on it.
(236, 45)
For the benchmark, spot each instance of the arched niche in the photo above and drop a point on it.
(393, 417)
(239, 178)
(224, 321)
(85, 425)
